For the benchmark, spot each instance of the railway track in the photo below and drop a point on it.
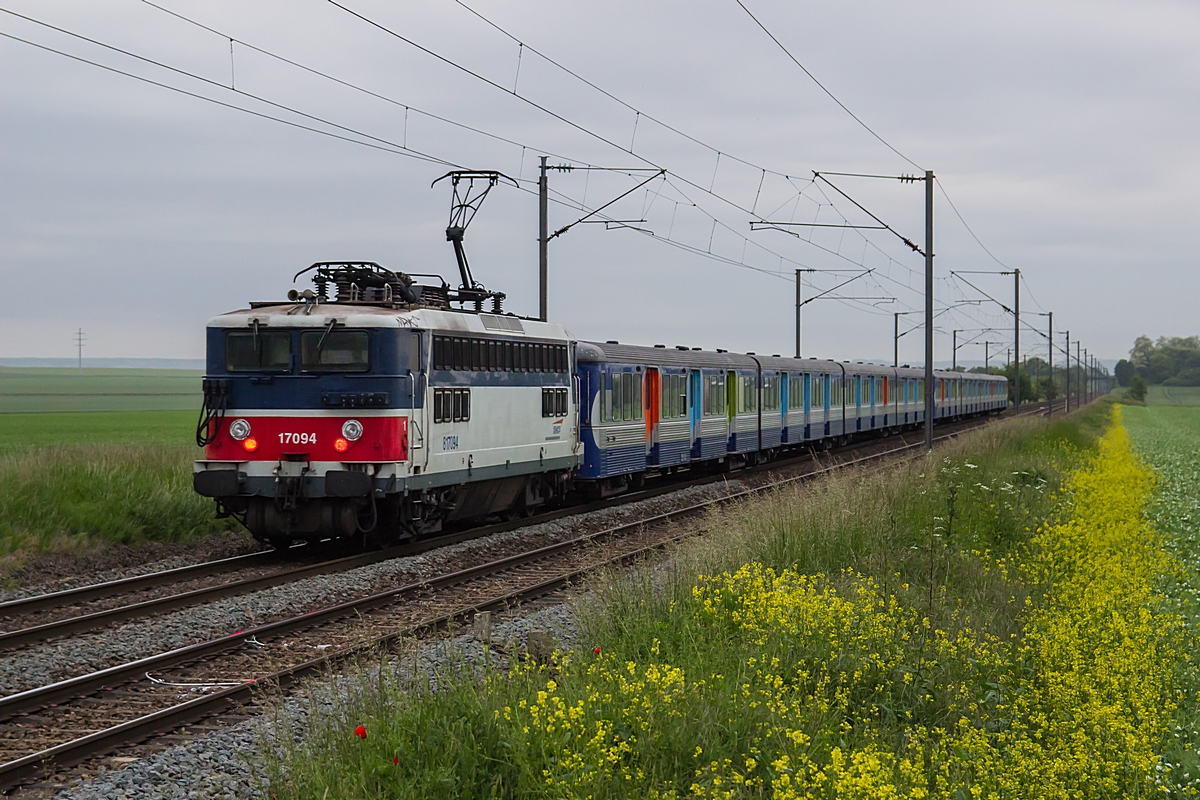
(41, 618)
(67, 722)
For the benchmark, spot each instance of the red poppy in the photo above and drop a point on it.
(596, 651)
(395, 759)
(361, 731)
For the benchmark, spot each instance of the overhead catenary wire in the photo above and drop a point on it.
(523, 45)
(379, 142)
(402, 148)
(396, 150)
(395, 146)
(351, 85)
(539, 106)
(641, 113)
(474, 129)
(832, 96)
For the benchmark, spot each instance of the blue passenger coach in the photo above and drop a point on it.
(655, 409)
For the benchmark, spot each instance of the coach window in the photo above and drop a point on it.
(747, 393)
(247, 351)
(714, 395)
(770, 393)
(335, 351)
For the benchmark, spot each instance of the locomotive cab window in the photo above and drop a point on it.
(262, 351)
(334, 351)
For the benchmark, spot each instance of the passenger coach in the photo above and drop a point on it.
(653, 409)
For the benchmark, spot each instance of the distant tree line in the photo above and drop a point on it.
(1171, 361)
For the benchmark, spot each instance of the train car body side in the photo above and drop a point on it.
(450, 415)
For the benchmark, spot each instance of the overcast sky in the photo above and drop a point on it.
(1065, 134)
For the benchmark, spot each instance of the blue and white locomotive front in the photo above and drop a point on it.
(383, 417)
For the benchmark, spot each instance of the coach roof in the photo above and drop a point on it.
(664, 356)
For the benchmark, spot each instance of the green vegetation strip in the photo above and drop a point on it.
(1168, 437)
(44, 389)
(988, 623)
(70, 496)
(72, 480)
(28, 431)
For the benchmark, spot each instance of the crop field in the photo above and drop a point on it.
(1173, 395)
(1168, 437)
(102, 456)
(42, 389)
(173, 428)
(1000, 620)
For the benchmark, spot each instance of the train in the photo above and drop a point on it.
(370, 406)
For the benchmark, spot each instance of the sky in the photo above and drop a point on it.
(1063, 133)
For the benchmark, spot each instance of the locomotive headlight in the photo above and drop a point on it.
(239, 429)
(352, 429)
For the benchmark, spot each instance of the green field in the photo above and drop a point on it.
(1168, 437)
(1173, 396)
(42, 389)
(33, 430)
(74, 479)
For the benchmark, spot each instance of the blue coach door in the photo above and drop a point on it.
(807, 406)
(784, 398)
(695, 407)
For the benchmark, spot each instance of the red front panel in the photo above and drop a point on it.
(313, 438)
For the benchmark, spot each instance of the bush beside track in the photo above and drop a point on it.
(910, 633)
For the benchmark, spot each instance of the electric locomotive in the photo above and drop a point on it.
(381, 410)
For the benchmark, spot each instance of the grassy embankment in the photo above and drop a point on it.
(984, 623)
(105, 457)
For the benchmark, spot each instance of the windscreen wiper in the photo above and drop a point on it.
(324, 336)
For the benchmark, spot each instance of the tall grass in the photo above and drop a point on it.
(69, 496)
(902, 597)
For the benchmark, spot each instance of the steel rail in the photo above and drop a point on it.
(20, 770)
(95, 620)
(86, 622)
(81, 594)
